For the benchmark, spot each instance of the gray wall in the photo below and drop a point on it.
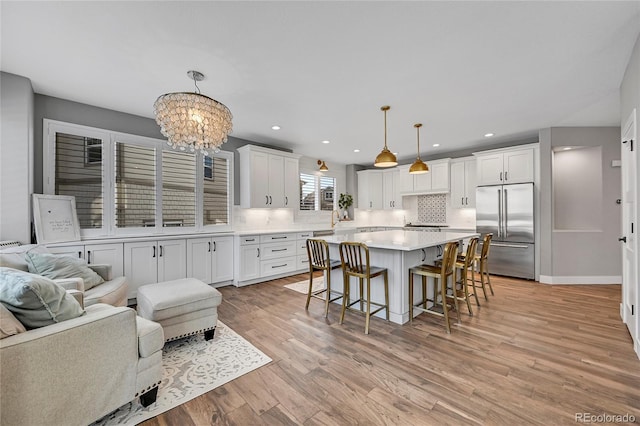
(589, 252)
(88, 115)
(16, 157)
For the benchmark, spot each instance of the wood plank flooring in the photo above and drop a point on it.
(532, 354)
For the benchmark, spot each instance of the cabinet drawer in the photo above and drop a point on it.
(278, 266)
(305, 235)
(303, 262)
(277, 250)
(272, 238)
(302, 248)
(249, 239)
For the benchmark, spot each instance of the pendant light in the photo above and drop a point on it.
(386, 157)
(419, 166)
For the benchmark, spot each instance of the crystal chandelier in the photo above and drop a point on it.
(193, 121)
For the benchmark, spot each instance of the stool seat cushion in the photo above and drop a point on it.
(175, 298)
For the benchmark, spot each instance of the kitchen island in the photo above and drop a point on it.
(397, 251)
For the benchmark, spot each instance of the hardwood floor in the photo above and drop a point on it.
(532, 354)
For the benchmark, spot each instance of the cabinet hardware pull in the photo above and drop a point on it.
(286, 200)
(284, 249)
(88, 256)
(266, 199)
(466, 200)
(209, 246)
(79, 255)
(278, 266)
(258, 252)
(279, 238)
(462, 200)
(270, 200)
(250, 239)
(500, 176)
(214, 246)
(623, 239)
(424, 255)
(160, 251)
(520, 246)
(154, 251)
(505, 175)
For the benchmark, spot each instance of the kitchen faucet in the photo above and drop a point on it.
(333, 224)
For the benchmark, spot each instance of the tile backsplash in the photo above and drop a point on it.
(432, 208)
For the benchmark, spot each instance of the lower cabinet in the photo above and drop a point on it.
(149, 262)
(210, 259)
(94, 254)
(248, 261)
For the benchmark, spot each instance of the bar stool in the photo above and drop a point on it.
(355, 263)
(441, 276)
(464, 264)
(318, 252)
(482, 259)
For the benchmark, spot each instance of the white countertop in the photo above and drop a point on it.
(400, 240)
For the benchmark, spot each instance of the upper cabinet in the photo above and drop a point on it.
(434, 182)
(463, 183)
(370, 189)
(508, 166)
(268, 178)
(391, 197)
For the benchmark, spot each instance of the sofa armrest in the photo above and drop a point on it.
(105, 271)
(89, 361)
(78, 295)
(71, 283)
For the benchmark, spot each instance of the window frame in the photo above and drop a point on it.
(318, 199)
(109, 139)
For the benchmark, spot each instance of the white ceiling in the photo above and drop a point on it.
(322, 70)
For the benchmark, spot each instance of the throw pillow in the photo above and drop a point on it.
(9, 325)
(34, 300)
(57, 266)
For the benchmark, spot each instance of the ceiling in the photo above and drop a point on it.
(322, 70)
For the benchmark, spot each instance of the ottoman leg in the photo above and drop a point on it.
(149, 397)
(208, 335)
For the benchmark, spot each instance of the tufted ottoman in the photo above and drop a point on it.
(183, 307)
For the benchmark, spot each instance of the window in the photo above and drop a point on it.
(317, 192)
(127, 184)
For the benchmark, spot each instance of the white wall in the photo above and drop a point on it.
(16, 157)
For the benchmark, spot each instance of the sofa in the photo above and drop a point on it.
(63, 363)
(112, 292)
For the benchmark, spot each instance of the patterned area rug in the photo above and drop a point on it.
(303, 286)
(193, 366)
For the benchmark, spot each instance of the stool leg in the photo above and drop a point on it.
(410, 296)
(386, 293)
(361, 294)
(306, 307)
(368, 313)
(424, 291)
(345, 296)
(482, 276)
(466, 290)
(445, 308)
(488, 278)
(455, 296)
(327, 293)
(474, 284)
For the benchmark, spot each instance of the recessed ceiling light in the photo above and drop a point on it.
(275, 127)
(356, 150)
(326, 141)
(435, 145)
(566, 148)
(488, 135)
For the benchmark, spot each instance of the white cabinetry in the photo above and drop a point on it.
(210, 259)
(505, 166)
(370, 189)
(303, 256)
(94, 254)
(248, 258)
(463, 183)
(391, 189)
(436, 181)
(268, 178)
(149, 262)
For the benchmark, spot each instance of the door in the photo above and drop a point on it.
(222, 259)
(629, 238)
(517, 213)
(172, 260)
(108, 254)
(276, 181)
(291, 183)
(439, 176)
(488, 210)
(259, 185)
(518, 166)
(458, 185)
(199, 259)
(140, 265)
(512, 259)
(249, 262)
(490, 169)
(470, 179)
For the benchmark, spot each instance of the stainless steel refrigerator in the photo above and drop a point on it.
(507, 212)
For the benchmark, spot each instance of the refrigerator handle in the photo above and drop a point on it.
(499, 212)
(505, 216)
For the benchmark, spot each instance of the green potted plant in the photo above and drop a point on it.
(344, 202)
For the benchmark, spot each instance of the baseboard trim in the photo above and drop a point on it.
(555, 279)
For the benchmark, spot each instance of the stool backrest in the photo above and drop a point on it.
(471, 252)
(318, 252)
(486, 244)
(355, 259)
(449, 258)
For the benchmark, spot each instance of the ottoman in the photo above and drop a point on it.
(182, 307)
